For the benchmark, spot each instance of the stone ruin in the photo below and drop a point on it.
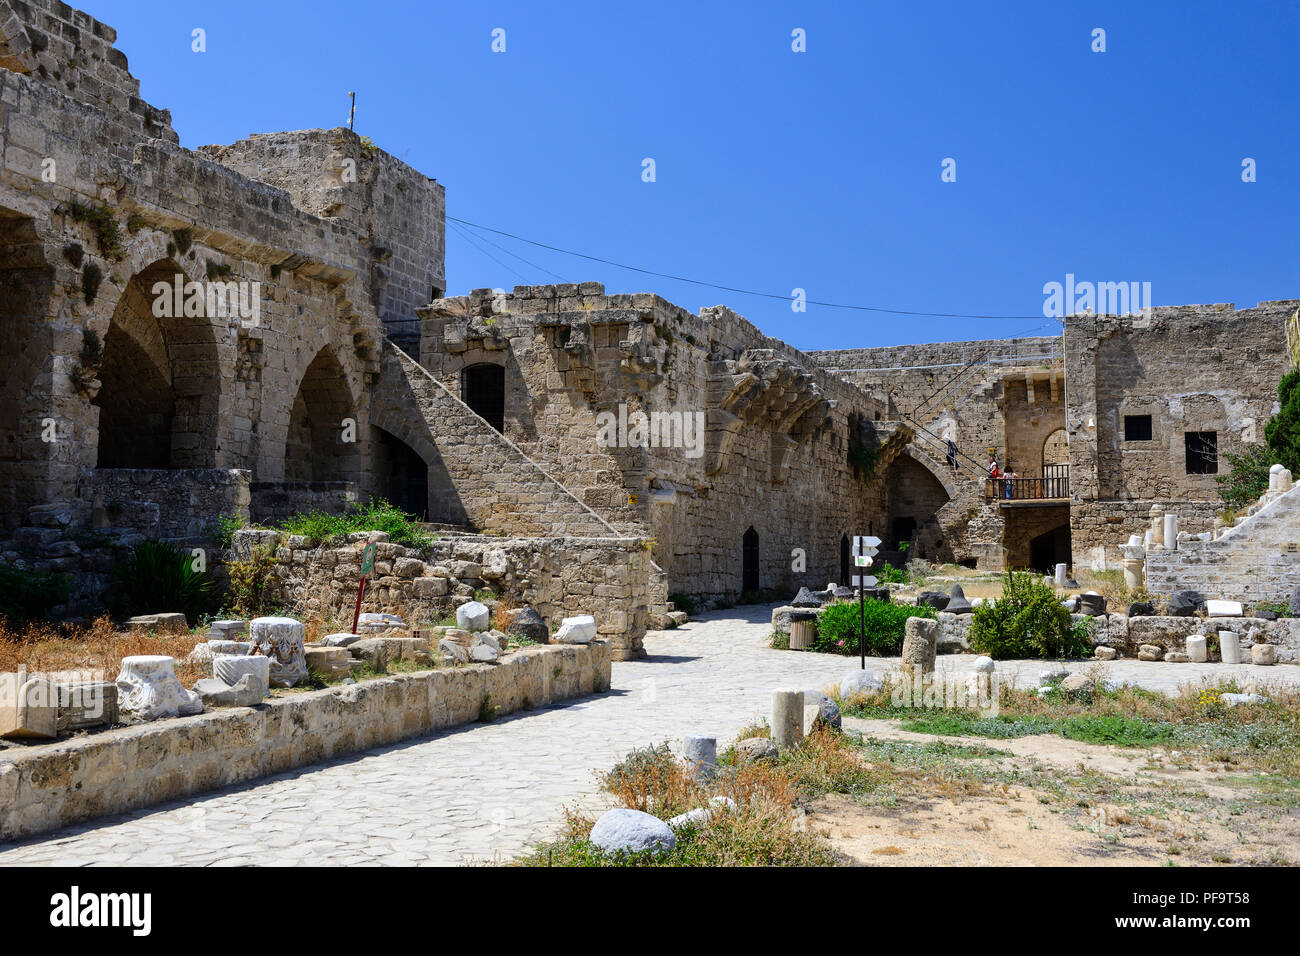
(260, 328)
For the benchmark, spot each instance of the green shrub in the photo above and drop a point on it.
(888, 574)
(29, 595)
(1247, 477)
(1028, 620)
(376, 515)
(1283, 430)
(839, 624)
(158, 576)
(252, 583)
(223, 530)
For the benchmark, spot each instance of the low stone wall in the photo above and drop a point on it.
(175, 505)
(273, 501)
(50, 786)
(559, 577)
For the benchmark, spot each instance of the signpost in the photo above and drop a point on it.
(864, 550)
(367, 563)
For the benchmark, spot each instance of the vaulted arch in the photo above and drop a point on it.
(161, 382)
(322, 441)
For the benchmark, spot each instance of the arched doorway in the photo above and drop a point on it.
(483, 388)
(402, 477)
(749, 561)
(915, 497)
(316, 448)
(1056, 449)
(161, 383)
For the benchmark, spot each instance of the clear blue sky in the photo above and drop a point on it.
(776, 169)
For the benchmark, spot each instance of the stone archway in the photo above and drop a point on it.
(160, 397)
(321, 444)
(1056, 449)
(915, 496)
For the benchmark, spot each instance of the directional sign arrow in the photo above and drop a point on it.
(866, 582)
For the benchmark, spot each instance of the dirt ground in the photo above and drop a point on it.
(1049, 801)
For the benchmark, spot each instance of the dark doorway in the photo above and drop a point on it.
(901, 530)
(1050, 549)
(404, 477)
(749, 562)
(844, 560)
(483, 388)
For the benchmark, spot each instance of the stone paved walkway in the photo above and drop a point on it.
(490, 790)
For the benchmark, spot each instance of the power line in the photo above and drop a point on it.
(470, 239)
(735, 289)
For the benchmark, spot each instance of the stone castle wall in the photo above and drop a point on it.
(1196, 368)
(774, 455)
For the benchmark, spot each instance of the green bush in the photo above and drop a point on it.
(159, 577)
(1247, 477)
(1028, 620)
(1283, 430)
(839, 624)
(29, 595)
(684, 603)
(376, 515)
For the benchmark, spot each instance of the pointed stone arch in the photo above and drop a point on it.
(317, 445)
(159, 403)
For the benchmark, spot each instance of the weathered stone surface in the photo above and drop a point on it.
(473, 616)
(1224, 609)
(860, 682)
(1184, 603)
(576, 630)
(787, 717)
(1103, 653)
(528, 624)
(85, 704)
(215, 693)
(1141, 609)
(379, 652)
(227, 629)
(957, 603)
(1196, 649)
(378, 623)
(631, 831)
(1263, 655)
(700, 815)
(484, 649)
(1150, 652)
(1176, 657)
(700, 755)
(340, 639)
(453, 651)
(827, 711)
(329, 662)
(1235, 700)
(756, 748)
(170, 623)
(1078, 685)
(1092, 604)
(231, 669)
(282, 639)
(935, 599)
(29, 707)
(147, 689)
(919, 645)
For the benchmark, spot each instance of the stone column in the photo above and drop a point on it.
(787, 717)
(1196, 648)
(1157, 515)
(919, 644)
(700, 754)
(1229, 647)
(1060, 575)
(1171, 532)
(1134, 564)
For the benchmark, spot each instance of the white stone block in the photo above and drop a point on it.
(1224, 608)
(1196, 648)
(231, 668)
(147, 689)
(576, 630)
(1230, 647)
(473, 616)
(282, 639)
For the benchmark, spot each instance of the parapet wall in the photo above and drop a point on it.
(58, 784)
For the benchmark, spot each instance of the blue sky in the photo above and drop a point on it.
(778, 170)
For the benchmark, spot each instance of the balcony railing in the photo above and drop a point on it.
(1054, 484)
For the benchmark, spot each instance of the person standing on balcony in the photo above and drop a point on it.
(1008, 477)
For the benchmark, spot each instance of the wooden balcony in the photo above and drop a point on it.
(1052, 488)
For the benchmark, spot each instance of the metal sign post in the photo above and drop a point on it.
(367, 562)
(864, 549)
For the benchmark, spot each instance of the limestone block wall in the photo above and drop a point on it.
(176, 506)
(559, 577)
(1004, 394)
(1251, 562)
(272, 501)
(477, 477)
(776, 429)
(53, 785)
(399, 214)
(1194, 368)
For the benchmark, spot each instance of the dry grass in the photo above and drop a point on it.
(98, 646)
(501, 616)
(768, 826)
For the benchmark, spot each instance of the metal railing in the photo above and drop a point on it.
(1054, 484)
